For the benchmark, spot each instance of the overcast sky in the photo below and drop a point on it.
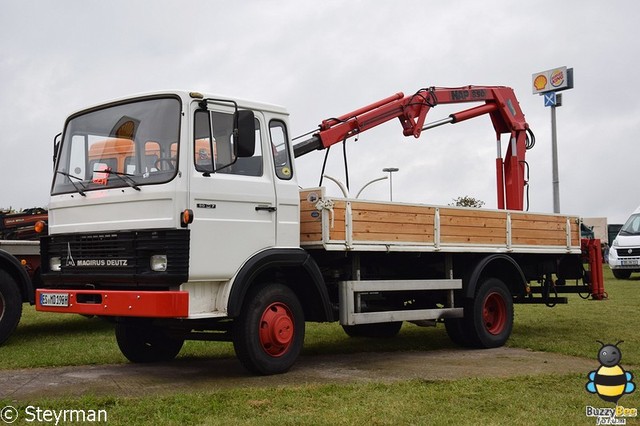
(325, 58)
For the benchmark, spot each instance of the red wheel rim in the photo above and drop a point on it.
(494, 313)
(276, 329)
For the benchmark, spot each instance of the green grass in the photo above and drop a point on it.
(53, 340)
(573, 329)
(543, 400)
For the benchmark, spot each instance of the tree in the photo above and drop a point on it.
(467, 201)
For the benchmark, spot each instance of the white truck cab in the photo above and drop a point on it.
(624, 255)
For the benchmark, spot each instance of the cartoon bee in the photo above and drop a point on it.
(610, 381)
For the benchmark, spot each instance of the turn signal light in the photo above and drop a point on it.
(39, 226)
(186, 217)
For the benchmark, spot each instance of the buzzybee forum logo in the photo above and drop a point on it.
(610, 382)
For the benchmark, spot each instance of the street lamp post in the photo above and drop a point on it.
(369, 183)
(390, 170)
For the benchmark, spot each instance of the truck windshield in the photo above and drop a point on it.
(129, 144)
(632, 226)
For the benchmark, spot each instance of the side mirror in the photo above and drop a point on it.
(245, 133)
(56, 148)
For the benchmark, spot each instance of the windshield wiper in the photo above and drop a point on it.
(80, 191)
(129, 181)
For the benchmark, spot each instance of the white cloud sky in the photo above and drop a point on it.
(325, 58)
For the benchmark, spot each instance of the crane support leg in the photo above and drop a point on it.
(592, 252)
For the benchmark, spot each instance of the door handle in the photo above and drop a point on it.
(266, 208)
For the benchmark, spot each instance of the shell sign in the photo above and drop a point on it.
(553, 80)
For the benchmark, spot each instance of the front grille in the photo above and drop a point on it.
(628, 252)
(117, 257)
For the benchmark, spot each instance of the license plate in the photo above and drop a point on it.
(54, 299)
(628, 262)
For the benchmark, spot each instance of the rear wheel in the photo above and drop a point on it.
(269, 333)
(10, 306)
(141, 342)
(458, 332)
(383, 330)
(491, 318)
(488, 318)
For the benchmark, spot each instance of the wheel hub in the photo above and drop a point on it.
(494, 313)
(276, 329)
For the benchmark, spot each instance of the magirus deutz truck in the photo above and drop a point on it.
(179, 215)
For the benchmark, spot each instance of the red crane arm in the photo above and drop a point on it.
(499, 102)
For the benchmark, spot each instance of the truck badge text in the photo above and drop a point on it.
(102, 262)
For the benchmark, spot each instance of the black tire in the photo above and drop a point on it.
(458, 332)
(490, 320)
(141, 342)
(621, 274)
(269, 333)
(10, 306)
(379, 330)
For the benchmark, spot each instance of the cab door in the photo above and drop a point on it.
(233, 200)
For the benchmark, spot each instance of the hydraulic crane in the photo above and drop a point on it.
(499, 102)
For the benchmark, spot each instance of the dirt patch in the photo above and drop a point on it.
(194, 375)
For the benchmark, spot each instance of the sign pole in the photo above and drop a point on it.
(554, 162)
(547, 83)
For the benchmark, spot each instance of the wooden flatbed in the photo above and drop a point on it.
(342, 224)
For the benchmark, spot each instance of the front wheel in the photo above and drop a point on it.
(621, 274)
(269, 333)
(141, 342)
(10, 306)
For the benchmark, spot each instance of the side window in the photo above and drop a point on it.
(213, 146)
(249, 166)
(203, 144)
(77, 160)
(280, 148)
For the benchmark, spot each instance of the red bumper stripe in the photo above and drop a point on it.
(153, 304)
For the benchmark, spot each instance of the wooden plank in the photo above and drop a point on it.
(453, 239)
(470, 221)
(473, 213)
(400, 228)
(386, 207)
(550, 226)
(393, 217)
(396, 238)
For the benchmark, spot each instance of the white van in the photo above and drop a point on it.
(624, 255)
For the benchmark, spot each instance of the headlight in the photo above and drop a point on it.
(158, 262)
(615, 243)
(55, 264)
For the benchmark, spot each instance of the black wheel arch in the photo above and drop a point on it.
(293, 267)
(499, 266)
(12, 266)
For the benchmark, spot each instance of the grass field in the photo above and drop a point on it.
(54, 340)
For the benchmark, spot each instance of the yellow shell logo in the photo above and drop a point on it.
(540, 82)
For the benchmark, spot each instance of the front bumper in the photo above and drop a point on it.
(624, 258)
(150, 304)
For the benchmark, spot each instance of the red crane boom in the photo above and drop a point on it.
(500, 103)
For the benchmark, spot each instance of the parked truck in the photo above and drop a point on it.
(203, 233)
(624, 255)
(19, 264)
